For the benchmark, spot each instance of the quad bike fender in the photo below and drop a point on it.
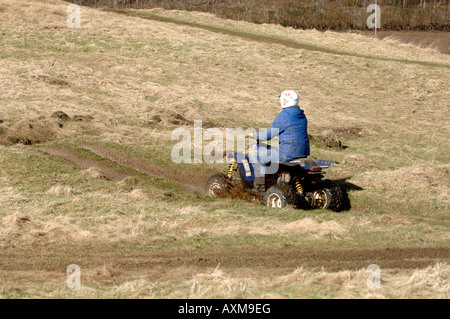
(325, 164)
(245, 168)
(308, 164)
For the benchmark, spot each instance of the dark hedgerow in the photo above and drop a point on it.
(307, 14)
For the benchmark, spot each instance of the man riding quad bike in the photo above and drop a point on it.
(278, 178)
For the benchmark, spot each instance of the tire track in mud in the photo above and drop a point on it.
(189, 181)
(259, 260)
(331, 260)
(108, 170)
(113, 159)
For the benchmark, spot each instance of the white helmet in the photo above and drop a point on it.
(289, 99)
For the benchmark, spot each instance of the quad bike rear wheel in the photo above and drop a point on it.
(218, 185)
(329, 195)
(279, 196)
(239, 182)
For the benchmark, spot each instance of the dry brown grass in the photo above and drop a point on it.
(434, 40)
(262, 226)
(430, 179)
(10, 195)
(21, 230)
(216, 283)
(61, 190)
(344, 284)
(34, 132)
(94, 173)
(123, 71)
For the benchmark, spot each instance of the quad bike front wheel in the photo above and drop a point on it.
(218, 185)
(280, 196)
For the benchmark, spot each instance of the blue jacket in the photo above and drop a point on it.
(292, 128)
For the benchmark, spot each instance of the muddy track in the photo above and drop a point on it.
(112, 160)
(108, 170)
(260, 261)
(271, 258)
(191, 182)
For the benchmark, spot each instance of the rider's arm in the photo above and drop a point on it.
(275, 129)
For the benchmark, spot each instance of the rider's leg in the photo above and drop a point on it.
(258, 166)
(254, 159)
(271, 157)
(260, 155)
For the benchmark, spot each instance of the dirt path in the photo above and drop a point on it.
(242, 260)
(109, 171)
(191, 182)
(113, 159)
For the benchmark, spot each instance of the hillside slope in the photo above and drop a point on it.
(95, 184)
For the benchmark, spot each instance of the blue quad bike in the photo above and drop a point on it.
(299, 183)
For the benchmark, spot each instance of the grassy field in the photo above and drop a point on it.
(433, 39)
(99, 189)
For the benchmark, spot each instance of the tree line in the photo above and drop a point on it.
(307, 14)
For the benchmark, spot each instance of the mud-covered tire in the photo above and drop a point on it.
(330, 195)
(239, 182)
(279, 196)
(218, 185)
